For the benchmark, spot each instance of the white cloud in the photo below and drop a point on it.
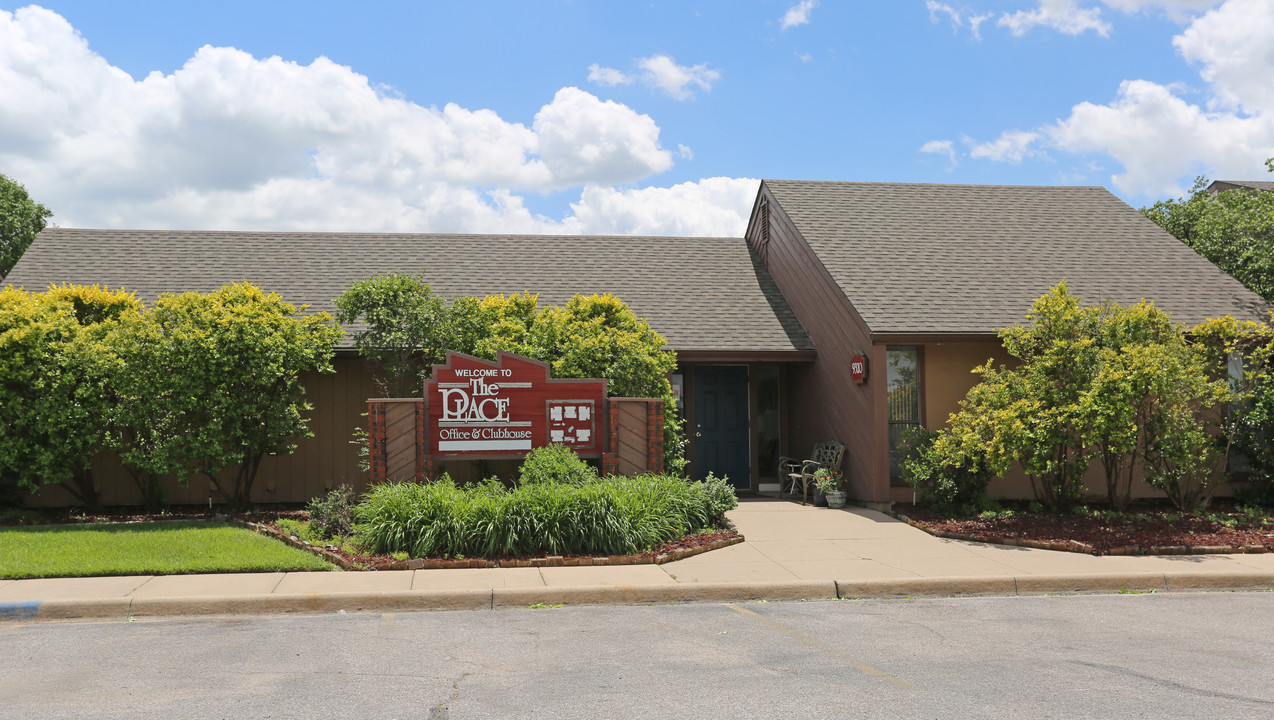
(942, 147)
(586, 140)
(1235, 46)
(1064, 16)
(717, 206)
(805, 57)
(608, 77)
(1159, 137)
(975, 23)
(798, 14)
(235, 142)
(664, 73)
(1010, 147)
(957, 18)
(937, 8)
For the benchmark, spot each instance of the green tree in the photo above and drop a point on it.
(595, 336)
(400, 326)
(213, 383)
(1058, 353)
(21, 219)
(57, 395)
(1243, 351)
(1139, 349)
(1233, 229)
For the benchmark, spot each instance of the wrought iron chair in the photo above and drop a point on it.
(795, 473)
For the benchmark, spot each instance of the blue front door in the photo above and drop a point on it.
(720, 427)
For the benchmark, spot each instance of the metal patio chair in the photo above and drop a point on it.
(794, 473)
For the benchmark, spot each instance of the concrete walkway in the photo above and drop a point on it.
(791, 552)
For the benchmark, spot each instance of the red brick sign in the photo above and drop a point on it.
(479, 408)
(858, 368)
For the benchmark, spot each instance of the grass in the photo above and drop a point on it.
(160, 548)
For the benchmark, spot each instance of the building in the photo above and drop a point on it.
(916, 279)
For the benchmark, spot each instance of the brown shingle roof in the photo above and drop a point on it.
(699, 293)
(916, 258)
(1222, 185)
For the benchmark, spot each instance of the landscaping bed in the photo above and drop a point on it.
(1145, 530)
(349, 558)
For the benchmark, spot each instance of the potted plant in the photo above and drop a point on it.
(832, 484)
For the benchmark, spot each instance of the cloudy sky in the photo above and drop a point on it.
(610, 118)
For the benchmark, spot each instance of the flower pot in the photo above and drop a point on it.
(836, 499)
(820, 500)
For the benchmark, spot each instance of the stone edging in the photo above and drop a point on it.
(1078, 547)
(274, 532)
(441, 564)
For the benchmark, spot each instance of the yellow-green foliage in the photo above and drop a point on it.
(1251, 415)
(57, 398)
(213, 382)
(1119, 384)
(593, 336)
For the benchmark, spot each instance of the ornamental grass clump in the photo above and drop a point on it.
(574, 513)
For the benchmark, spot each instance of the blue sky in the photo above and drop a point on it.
(605, 117)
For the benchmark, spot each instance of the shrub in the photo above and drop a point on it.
(718, 498)
(555, 464)
(943, 472)
(612, 515)
(331, 516)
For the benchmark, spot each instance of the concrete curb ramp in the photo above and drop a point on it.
(139, 607)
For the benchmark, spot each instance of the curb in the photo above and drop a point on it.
(408, 601)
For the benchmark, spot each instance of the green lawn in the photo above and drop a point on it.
(161, 548)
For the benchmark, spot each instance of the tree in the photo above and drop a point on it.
(213, 383)
(1058, 354)
(1120, 384)
(57, 395)
(399, 326)
(1233, 229)
(594, 336)
(1243, 351)
(21, 219)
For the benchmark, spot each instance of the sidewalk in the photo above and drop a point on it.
(791, 552)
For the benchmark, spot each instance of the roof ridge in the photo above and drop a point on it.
(370, 233)
(877, 183)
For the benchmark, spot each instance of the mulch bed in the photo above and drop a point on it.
(1147, 530)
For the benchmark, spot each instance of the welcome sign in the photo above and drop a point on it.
(506, 408)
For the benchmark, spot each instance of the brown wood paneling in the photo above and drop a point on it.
(632, 438)
(823, 401)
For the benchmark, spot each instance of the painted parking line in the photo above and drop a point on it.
(811, 642)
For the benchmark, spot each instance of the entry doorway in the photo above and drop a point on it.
(720, 424)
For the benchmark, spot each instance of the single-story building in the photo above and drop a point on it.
(915, 278)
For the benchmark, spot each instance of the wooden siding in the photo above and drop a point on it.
(823, 401)
(631, 436)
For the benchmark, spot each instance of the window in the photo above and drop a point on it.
(903, 388)
(768, 424)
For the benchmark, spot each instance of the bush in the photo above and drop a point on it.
(331, 516)
(606, 516)
(555, 464)
(942, 473)
(718, 498)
